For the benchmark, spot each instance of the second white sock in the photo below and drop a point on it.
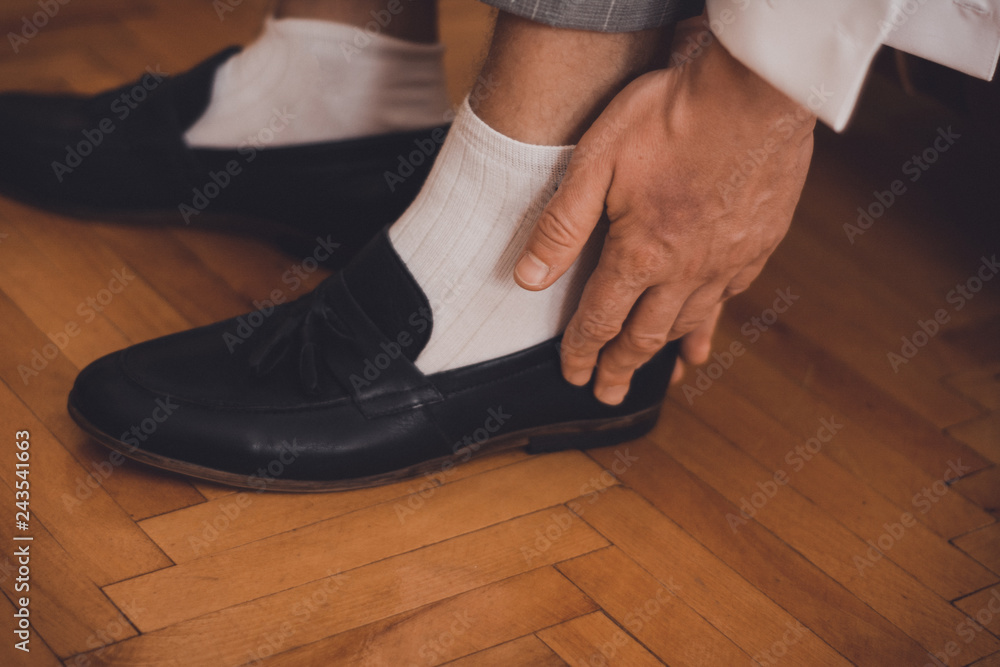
(463, 235)
(314, 73)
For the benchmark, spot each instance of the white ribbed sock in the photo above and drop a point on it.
(333, 80)
(463, 235)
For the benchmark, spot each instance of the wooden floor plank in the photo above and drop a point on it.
(860, 342)
(989, 661)
(895, 473)
(912, 248)
(207, 584)
(251, 267)
(981, 385)
(744, 614)
(981, 433)
(41, 374)
(646, 609)
(452, 628)
(983, 608)
(982, 488)
(782, 573)
(862, 569)
(524, 652)
(596, 639)
(67, 608)
(340, 602)
(825, 377)
(983, 545)
(120, 550)
(232, 520)
(855, 505)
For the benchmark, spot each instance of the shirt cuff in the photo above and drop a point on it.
(818, 52)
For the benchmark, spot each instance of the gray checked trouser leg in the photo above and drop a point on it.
(602, 15)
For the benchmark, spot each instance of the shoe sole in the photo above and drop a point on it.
(586, 434)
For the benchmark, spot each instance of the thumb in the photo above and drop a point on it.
(566, 223)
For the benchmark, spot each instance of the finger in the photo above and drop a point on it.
(569, 218)
(698, 307)
(696, 346)
(606, 301)
(742, 280)
(678, 373)
(644, 334)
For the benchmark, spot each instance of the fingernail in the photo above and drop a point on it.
(613, 395)
(530, 270)
(579, 378)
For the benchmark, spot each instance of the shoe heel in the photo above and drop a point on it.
(588, 437)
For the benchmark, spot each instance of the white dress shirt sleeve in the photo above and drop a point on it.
(818, 52)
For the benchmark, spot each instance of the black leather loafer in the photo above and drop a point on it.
(120, 155)
(322, 393)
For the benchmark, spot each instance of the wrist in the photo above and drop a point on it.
(747, 90)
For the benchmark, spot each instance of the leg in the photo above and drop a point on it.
(502, 161)
(341, 69)
(553, 82)
(356, 371)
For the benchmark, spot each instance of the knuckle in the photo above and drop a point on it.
(613, 368)
(634, 268)
(556, 231)
(575, 345)
(684, 325)
(647, 343)
(598, 329)
(734, 288)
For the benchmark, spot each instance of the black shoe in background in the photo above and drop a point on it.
(121, 156)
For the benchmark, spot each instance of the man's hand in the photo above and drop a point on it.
(700, 168)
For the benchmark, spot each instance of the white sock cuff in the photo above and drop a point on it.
(507, 153)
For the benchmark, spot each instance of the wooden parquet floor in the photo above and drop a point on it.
(802, 503)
